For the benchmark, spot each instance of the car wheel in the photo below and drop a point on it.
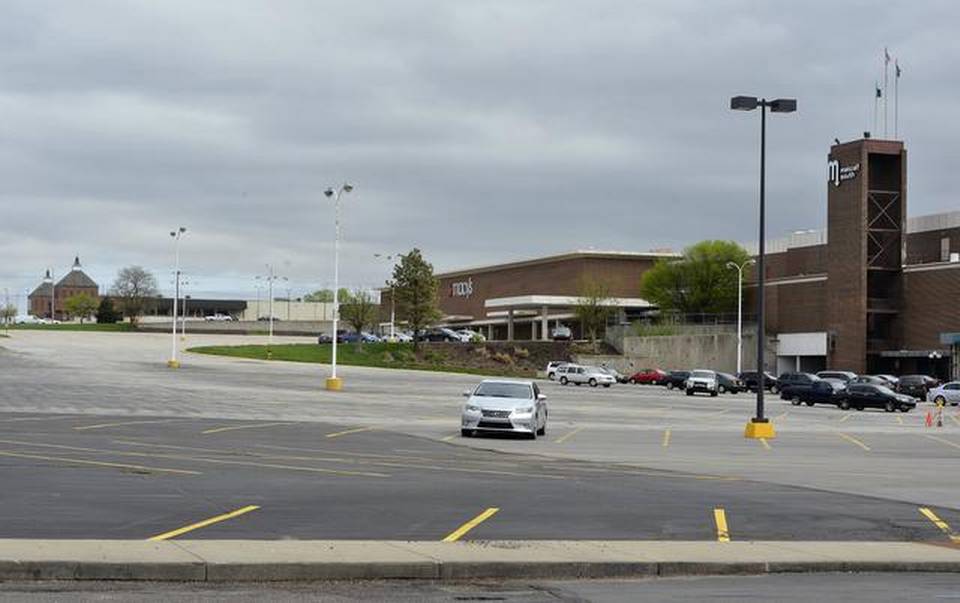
(632, 381)
(593, 382)
(889, 406)
(774, 389)
(845, 405)
(940, 401)
(722, 389)
(795, 401)
(563, 380)
(533, 434)
(689, 392)
(713, 394)
(810, 403)
(904, 408)
(543, 428)
(669, 385)
(466, 433)
(606, 385)
(550, 376)
(859, 407)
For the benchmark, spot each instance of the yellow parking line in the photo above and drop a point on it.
(845, 417)
(567, 435)
(955, 419)
(854, 440)
(765, 443)
(781, 416)
(666, 438)
(941, 440)
(349, 431)
(236, 427)
(944, 527)
(96, 463)
(720, 518)
(899, 420)
(459, 532)
(121, 423)
(204, 523)
(449, 437)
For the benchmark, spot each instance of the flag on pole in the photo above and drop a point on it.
(886, 56)
(879, 91)
(896, 68)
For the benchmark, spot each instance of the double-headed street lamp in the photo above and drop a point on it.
(393, 303)
(334, 383)
(760, 426)
(270, 278)
(739, 268)
(176, 235)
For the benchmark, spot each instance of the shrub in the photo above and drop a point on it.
(521, 352)
(503, 357)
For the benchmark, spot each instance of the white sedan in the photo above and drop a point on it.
(499, 405)
(948, 393)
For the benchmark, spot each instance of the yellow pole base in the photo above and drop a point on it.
(334, 384)
(173, 363)
(759, 431)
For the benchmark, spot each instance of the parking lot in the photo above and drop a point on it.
(98, 439)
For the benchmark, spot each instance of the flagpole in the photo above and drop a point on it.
(886, 63)
(876, 105)
(896, 100)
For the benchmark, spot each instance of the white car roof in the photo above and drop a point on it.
(510, 381)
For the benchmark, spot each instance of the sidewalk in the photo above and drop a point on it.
(248, 560)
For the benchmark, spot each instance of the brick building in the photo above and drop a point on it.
(73, 283)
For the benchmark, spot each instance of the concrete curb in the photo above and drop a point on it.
(263, 561)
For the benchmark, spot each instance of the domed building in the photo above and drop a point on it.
(47, 299)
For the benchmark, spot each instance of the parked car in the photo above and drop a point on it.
(504, 406)
(916, 385)
(648, 376)
(948, 393)
(676, 379)
(821, 391)
(791, 383)
(324, 338)
(267, 319)
(867, 395)
(218, 318)
(561, 333)
(702, 380)
(750, 379)
(591, 375)
(564, 369)
(552, 367)
(440, 334)
(845, 376)
(871, 379)
(617, 375)
(344, 336)
(369, 337)
(728, 383)
(26, 319)
(471, 335)
(891, 380)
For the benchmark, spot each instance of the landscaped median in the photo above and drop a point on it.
(286, 560)
(498, 358)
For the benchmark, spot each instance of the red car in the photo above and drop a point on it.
(648, 377)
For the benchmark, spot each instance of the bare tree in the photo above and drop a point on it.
(593, 307)
(134, 288)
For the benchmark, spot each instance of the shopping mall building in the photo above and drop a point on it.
(875, 291)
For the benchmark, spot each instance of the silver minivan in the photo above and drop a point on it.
(591, 375)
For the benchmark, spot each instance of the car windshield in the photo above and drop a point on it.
(493, 389)
(702, 374)
(884, 389)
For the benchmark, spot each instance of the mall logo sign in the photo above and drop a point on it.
(837, 174)
(462, 288)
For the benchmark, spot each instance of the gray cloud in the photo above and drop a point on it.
(476, 131)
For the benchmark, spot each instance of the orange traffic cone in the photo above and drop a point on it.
(929, 419)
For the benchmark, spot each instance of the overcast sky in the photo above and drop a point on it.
(476, 131)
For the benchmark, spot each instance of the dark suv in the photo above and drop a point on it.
(676, 379)
(794, 385)
(750, 380)
(916, 385)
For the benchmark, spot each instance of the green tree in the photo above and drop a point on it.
(80, 305)
(106, 313)
(593, 307)
(134, 289)
(359, 311)
(415, 289)
(699, 282)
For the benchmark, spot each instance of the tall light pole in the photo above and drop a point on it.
(393, 301)
(176, 235)
(53, 295)
(270, 278)
(334, 383)
(760, 426)
(739, 268)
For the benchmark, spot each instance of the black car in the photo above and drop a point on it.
(866, 395)
(324, 338)
(916, 385)
(727, 383)
(676, 379)
(822, 391)
(791, 384)
(870, 379)
(750, 380)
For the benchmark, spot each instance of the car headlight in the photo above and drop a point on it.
(472, 408)
(524, 411)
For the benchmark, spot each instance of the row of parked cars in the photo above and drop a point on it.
(848, 390)
(436, 334)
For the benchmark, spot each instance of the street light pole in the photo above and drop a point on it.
(333, 382)
(739, 268)
(176, 235)
(393, 302)
(761, 427)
